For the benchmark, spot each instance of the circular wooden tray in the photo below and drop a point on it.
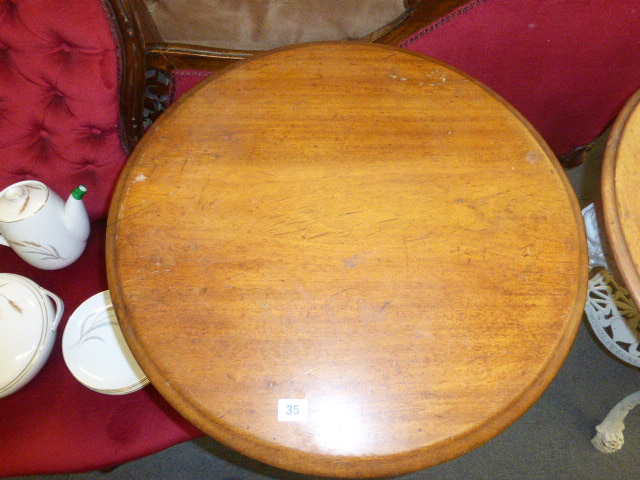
(346, 259)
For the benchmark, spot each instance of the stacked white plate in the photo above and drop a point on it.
(95, 350)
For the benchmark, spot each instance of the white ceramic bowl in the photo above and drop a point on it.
(28, 322)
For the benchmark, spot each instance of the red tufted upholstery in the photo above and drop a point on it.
(59, 104)
(59, 123)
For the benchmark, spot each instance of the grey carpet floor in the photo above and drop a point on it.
(550, 441)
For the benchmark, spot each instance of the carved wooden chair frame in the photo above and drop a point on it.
(142, 49)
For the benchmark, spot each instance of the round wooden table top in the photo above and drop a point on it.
(621, 194)
(347, 260)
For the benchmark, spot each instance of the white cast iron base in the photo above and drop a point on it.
(609, 437)
(615, 320)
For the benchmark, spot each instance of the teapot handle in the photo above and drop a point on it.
(3, 241)
(59, 308)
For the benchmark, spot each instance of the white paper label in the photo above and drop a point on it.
(292, 410)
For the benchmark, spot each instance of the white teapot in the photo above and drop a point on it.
(46, 232)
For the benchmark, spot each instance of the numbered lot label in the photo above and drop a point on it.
(292, 410)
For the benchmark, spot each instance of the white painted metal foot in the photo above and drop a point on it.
(609, 437)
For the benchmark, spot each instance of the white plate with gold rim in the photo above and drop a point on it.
(95, 351)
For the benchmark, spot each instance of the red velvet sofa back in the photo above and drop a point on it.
(59, 102)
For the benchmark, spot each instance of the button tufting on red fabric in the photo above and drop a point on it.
(59, 97)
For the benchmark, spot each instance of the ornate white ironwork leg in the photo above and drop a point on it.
(615, 320)
(609, 437)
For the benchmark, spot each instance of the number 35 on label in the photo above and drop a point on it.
(292, 410)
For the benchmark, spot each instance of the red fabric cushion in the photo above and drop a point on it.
(567, 66)
(56, 425)
(59, 104)
(184, 80)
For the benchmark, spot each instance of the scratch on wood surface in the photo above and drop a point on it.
(317, 236)
(146, 273)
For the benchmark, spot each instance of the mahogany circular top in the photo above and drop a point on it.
(348, 260)
(621, 194)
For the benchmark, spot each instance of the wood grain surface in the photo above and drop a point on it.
(358, 228)
(621, 194)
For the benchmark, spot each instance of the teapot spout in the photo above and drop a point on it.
(76, 217)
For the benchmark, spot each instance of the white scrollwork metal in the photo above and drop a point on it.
(614, 319)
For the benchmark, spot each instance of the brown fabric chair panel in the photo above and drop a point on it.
(266, 24)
